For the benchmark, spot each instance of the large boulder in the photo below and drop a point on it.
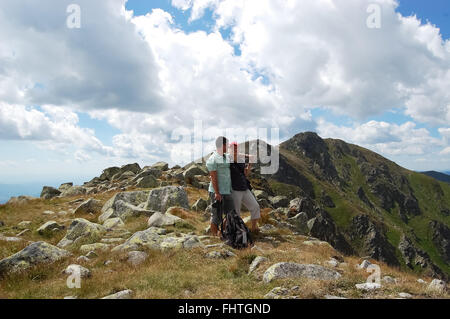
(200, 205)
(124, 205)
(148, 181)
(73, 191)
(149, 238)
(294, 270)
(65, 186)
(91, 206)
(162, 166)
(135, 168)
(34, 254)
(108, 173)
(49, 228)
(49, 192)
(82, 231)
(160, 220)
(192, 171)
(160, 199)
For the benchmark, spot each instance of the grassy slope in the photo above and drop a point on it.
(179, 273)
(348, 204)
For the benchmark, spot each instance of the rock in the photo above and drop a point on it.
(149, 238)
(73, 191)
(97, 247)
(112, 240)
(20, 200)
(48, 213)
(24, 224)
(300, 221)
(124, 204)
(375, 243)
(83, 259)
(405, 295)
(294, 270)
(136, 258)
(192, 171)
(441, 239)
(148, 181)
(162, 166)
(91, 255)
(368, 286)
(323, 227)
(124, 294)
(65, 186)
(333, 262)
(327, 201)
(134, 168)
(389, 280)
(82, 230)
(256, 263)
(113, 223)
(279, 201)
(260, 194)
(49, 192)
(91, 206)
(421, 281)
(414, 257)
(49, 228)
(437, 286)
(277, 293)
(223, 254)
(23, 232)
(70, 297)
(108, 173)
(36, 253)
(298, 205)
(159, 220)
(192, 242)
(200, 205)
(160, 199)
(10, 239)
(77, 269)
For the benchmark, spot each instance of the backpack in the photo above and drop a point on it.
(234, 231)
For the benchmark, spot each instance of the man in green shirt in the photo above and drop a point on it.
(218, 165)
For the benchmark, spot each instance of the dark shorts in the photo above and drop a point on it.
(216, 216)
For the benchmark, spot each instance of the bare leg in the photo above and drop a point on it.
(214, 229)
(255, 225)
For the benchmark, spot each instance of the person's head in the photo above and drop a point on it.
(221, 144)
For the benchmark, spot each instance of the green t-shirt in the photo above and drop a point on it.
(220, 164)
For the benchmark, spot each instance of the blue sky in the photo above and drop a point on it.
(74, 101)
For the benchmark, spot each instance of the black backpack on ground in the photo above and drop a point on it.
(234, 231)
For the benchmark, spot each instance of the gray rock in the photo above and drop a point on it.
(136, 258)
(113, 223)
(365, 263)
(160, 199)
(162, 166)
(279, 201)
(36, 253)
(277, 293)
(159, 220)
(49, 228)
(149, 238)
(91, 255)
(405, 295)
(294, 270)
(124, 203)
(368, 286)
(223, 254)
(82, 230)
(124, 294)
(256, 263)
(300, 222)
(73, 191)
(24, 224)
(108, 173)
(389, 280)
(65, 186)
(148, 181)
(49, 192)
(100, 247)
(192, 242)
(91, 206)
(77, 269)
(192, 171)
(333, 297)
(260, 194)
(437, 286)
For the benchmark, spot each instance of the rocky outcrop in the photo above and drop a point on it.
(124, 205)
(373, 241)
(91, 206)
(294, 270)
(415, 257)
(323, 227)
(35, 254)
(49, 228)
(441, 239)
(160, 220)
(160, 199)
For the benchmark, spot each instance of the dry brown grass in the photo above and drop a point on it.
(183, 273)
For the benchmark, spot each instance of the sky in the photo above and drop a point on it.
(131, 80)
